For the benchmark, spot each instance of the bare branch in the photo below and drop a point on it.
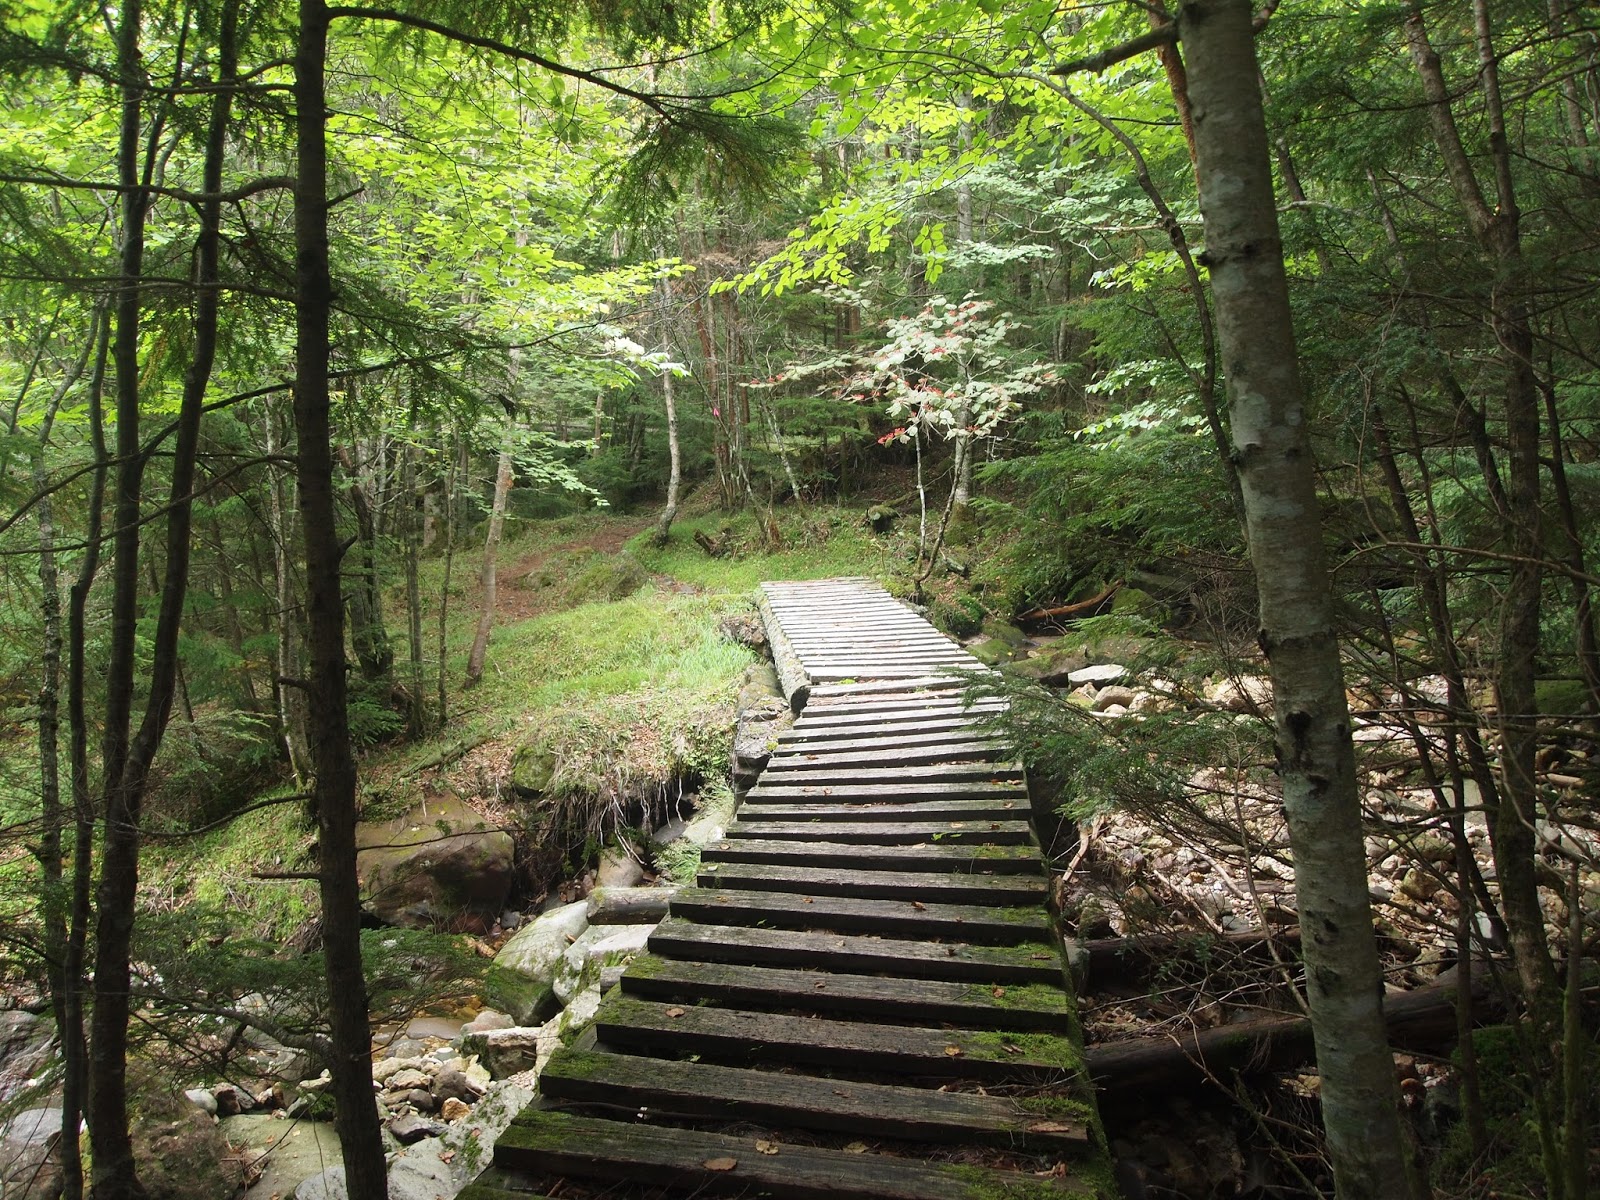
(1163, 36)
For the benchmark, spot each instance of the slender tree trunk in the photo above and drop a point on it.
(487, 577)
(355, 1114)
(52, 815)
(74, 1049)
(364, 596)
(674, 462)
(1276, 472)
(247, 679)
(416, 707)
(288, 687)
(1587, 643)
(107, 1110)
(1497, 228)
(452, 486)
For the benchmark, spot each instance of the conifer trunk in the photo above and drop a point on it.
(355, 1114)
(114, 1176)
(1316, 757)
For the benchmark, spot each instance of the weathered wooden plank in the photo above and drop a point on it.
(876, 727)
(665, 1157)
(625, 1022)
(889, 833)
(999, 860)
(703, 1090)
(934, 737)
(907, 712)
(987, 748)
(926, 810)
(865, 664)
(871, 647)
(927, 886)
(852, 674)
(920, 773)
(976, 923)
(880, 640)
(1022, 963)
(1035, 1007)
(878, 687)
(909, 790)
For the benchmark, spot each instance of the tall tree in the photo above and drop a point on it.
(332, 759)
(1316, 760)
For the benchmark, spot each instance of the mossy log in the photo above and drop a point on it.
(791, 672)
(1131, 1071)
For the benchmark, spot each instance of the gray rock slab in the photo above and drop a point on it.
(521, 980)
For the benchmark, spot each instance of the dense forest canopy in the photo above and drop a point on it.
(300, 305)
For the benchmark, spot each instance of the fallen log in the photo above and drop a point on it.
(628, 905)
(1421, 1020)
(715, 548)
(1073, 610)
(1120, 958)
(792, 675)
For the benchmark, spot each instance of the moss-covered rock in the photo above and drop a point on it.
(521, 980)
(533, 767)
(440, 866)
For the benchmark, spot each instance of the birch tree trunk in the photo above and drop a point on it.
(487, 577)
(1276, 473)
(675, 466)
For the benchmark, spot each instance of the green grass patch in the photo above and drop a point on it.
(819, 544)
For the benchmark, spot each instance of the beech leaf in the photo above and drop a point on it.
(720, 1164)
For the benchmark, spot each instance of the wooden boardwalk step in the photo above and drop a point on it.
(878, 743)
(969, 750)
(913, 789)
(1026, 962)
(879, 689)
(995, 809)
(885, 833)
(560, 1143)
(1027, 1008)
(914, 775)
(732, 1035)
(929, 887)
(671, 1090)
(878, 730)
(998, 860)
(922, 773)
(895, 713)
(978, 923)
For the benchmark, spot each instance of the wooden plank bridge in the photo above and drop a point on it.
(863, 996)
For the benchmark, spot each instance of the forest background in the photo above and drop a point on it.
(302, 307)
